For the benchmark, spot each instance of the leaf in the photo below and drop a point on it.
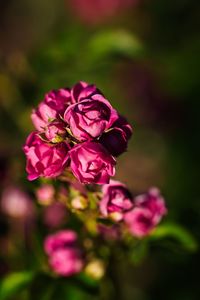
(112, 42)
(172, 230)
(15, 283)
(139, 252)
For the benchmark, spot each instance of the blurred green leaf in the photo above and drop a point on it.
(118, 42)
(172, 230)
(138, 252)
(15, 283)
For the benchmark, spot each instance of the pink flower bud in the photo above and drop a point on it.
(64, 256)
(45, 194)
(53, 106)
(116, 200)
(16, 203)
(147, 213)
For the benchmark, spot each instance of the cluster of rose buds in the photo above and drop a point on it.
(78, 131)
(76, 128)
(140, 214)
(64, 256)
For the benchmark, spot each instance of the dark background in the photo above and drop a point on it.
(144, 56)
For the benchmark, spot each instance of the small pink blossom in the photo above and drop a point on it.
(91, 163)
(52, 107)
(45, 194)
(83, 90)
(147, 213)
(116, 200)
(59, 240)
(64, 255)
(44, 159)
(66, 262)
(55, 215)
(16, 203)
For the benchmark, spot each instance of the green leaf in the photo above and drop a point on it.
(111, 42)
(177, 232)
(138, 252)
(15, 283)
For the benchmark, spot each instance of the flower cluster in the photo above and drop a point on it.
(64, 255)
(78, 131)
(79, 128)
(140, 214)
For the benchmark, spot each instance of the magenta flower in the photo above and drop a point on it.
(64, 255)
(147, 213)
(44, 159)
(90, 117)
(66, 262)
(83, 90)
(116, 200)
(91, 163)
(60, 240)
(53, 106)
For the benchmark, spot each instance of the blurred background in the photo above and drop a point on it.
(144, 56)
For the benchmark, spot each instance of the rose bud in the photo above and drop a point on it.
(53, 106)
(60, 240)
(116, 200)
(64, 256)
(91, 163)
(148, 212)
(90, 117)
(83, 90)
(55, 132)
(45, 194)
(44, 159)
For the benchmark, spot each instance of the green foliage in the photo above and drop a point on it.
(176, 232)
(14, 283)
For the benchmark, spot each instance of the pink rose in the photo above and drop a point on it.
(147, 213)
(44, 159)
(64, 255)
(66, 262)
(83, 90)
(53, 106)
(91, 163)
(90, 117)
(60, 240)
(116, 200)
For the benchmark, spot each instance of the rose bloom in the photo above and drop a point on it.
(90, 117)
(116, 200)
(44, 159)
(116, 139)
(91, 163)
(53, 105)
(64, 256)
(147, 213)
(82, 90)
